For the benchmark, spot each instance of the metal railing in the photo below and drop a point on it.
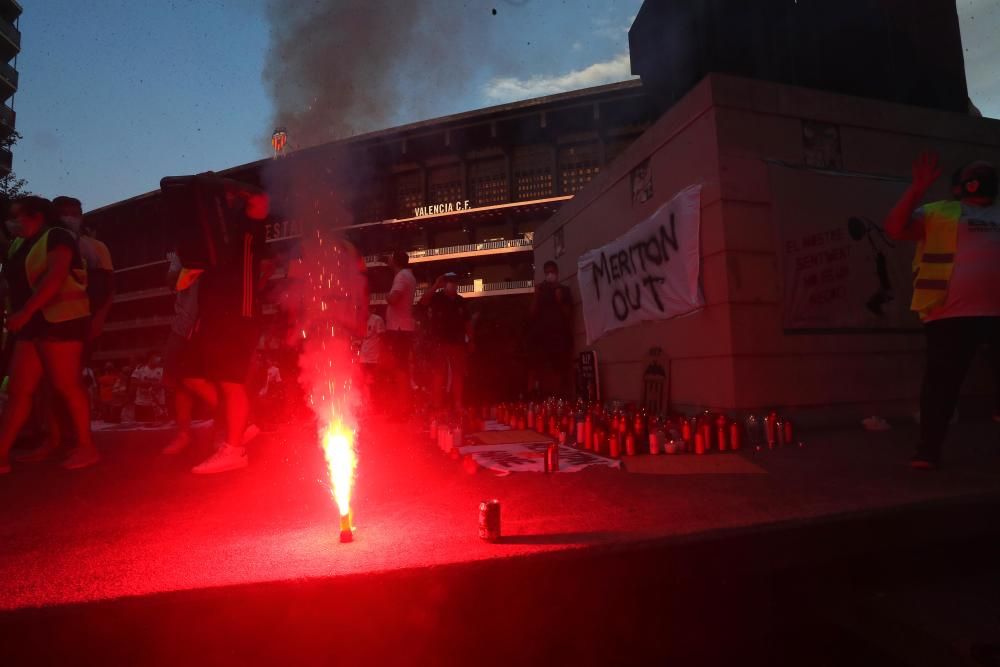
(7, 115)
(458, 249)
(517, 286)
(10, 32)
(139, 323)
(138, 295)
(9, 74)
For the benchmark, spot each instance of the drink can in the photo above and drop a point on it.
(489, 520)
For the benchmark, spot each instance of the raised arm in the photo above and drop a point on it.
(900, 223)
(428, 294)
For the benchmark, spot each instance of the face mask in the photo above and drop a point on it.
(551, 277)
(72, 222)
(14, 227)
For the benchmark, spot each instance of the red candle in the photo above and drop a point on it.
(735, 436)
(699, 443)
(616, 445)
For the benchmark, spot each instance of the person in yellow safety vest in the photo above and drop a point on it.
(49, 319)
(100, 290)
(956, 274)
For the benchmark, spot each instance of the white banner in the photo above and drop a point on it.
(649, 273)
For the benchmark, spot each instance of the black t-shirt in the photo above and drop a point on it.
(553, 320)
(229, 289)
(19, 289)
(448, 315)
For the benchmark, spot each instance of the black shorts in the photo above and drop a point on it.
(176, 359)
(221, 351)
(398, 345)
(38, 328)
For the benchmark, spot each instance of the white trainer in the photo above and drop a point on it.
(224, 459)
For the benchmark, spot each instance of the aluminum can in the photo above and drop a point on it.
(489, 520)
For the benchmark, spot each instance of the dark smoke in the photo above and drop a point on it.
(336, 68)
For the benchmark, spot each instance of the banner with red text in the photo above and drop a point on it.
(649, 273)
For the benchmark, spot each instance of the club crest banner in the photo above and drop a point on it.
(649, 273)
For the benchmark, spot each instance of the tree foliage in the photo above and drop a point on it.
(10, 185)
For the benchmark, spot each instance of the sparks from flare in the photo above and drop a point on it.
(328, 363)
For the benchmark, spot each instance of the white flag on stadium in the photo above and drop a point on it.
(649, 273)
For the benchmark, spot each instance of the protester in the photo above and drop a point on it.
(49, 318)
(371, 356)
(450, 332)
(147, 382)
(957, 271)
(106, 391)
(550, 338)
(120, 394)
(97, 257)
(90, 386)
(273, 384)
(227, 332)
(400, 326)
(184, 282)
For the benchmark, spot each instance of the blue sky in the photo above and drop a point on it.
(115, 94)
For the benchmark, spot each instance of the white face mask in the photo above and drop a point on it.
(551, 277)
(72, 222)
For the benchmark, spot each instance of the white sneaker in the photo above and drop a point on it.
(178, 444)
(225, 458)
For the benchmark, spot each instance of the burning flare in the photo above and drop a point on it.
(341, 460)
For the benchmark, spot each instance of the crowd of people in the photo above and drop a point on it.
(416, 355)
(59, 287)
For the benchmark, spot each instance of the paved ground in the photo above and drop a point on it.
(140, 523)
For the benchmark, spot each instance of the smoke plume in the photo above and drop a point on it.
(336, 68)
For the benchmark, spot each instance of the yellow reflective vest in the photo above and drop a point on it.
(71, 302)
(935, 257)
